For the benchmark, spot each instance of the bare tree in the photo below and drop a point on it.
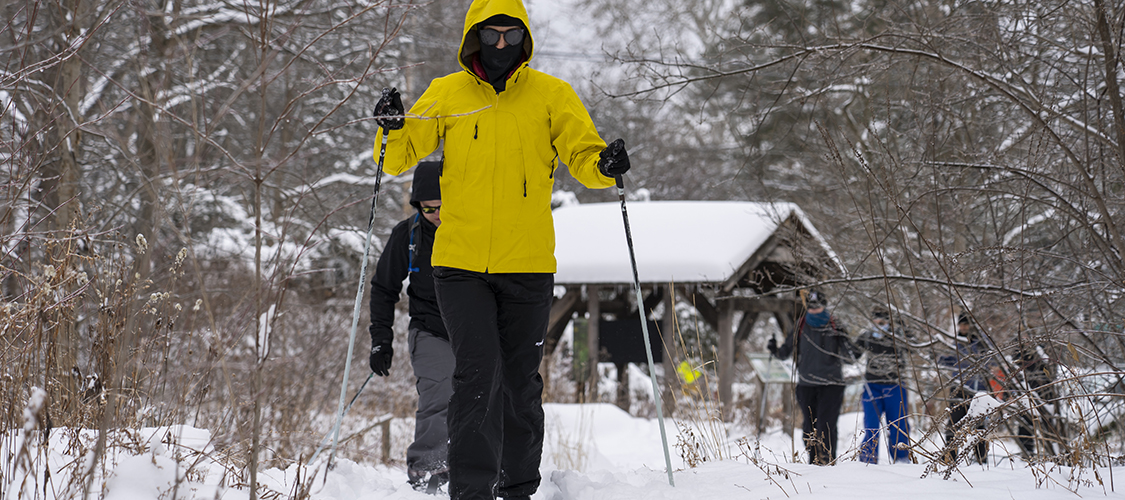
(962, 157)
(173, 171)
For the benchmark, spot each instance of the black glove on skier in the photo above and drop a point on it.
(771, 346)
(381, 355)
(389, 111)
(615, 161)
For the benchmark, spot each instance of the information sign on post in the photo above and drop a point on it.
(769, 370)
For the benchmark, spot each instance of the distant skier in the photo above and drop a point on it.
(505, 128)
(1037, 428)
(970, 371)
(407, 253)
(820, 346)
(883, 393)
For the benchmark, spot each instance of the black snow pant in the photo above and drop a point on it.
(496, 324)
(959, 402)
(820, 405)
(432, 358)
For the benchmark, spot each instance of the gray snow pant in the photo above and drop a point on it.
(432, 358)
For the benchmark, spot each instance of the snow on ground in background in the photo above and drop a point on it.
(590, 452)
(145, 464)
(602, 437)
(597, 451)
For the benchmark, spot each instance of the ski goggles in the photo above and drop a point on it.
(429, 210)
(489, 36)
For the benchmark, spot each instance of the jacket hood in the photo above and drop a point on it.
(484, 9)
(427, 183)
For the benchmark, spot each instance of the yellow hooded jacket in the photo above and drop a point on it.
(500, 154)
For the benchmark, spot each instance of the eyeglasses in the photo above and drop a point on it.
(489, 36)
(429, 210)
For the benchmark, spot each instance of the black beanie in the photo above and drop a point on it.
(501, 20)
(427, 183)
(816, 299)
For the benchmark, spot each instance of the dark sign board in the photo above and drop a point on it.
(621, 338)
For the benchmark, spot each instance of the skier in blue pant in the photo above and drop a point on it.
(883, 394)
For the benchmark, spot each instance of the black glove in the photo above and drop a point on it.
(381, 355)
(771, 346)
(615, 161)
(389, 111)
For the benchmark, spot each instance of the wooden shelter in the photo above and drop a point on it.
(719, 257)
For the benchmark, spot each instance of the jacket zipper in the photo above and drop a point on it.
(476, 135)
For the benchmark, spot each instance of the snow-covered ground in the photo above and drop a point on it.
(591, 452)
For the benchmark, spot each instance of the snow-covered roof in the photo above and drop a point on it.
(675, 241)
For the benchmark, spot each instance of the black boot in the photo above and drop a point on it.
(437, 480)
(982, 453)
(417, 479)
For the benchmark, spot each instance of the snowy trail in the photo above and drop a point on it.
(591, 452)
(734, 480)
(614, 456)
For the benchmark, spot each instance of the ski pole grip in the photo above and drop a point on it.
(620, 182)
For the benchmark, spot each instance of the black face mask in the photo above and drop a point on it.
(499, 62)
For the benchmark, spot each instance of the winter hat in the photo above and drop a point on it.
(501, 20)
(427, 183)
(815, 299)
(880, 312)
(971, 336)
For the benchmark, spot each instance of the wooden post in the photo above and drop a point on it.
(386, 425)
(763, 404)
(668, 337)
(622, 399)
(726, 357)
(788, 403)
(593, 306)
(788, 408)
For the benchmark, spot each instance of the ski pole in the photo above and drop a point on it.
(324, 440)
(359, 295)
(644, 329)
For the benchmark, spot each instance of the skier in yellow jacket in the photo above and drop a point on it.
(506, 127)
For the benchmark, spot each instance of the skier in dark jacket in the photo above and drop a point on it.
(407, 253)
(883, 394)
(820, 346)
(970, 368)
(1037, 428)
(504, 128)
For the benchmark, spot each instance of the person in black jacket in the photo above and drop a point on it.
(407, 253)
(883, 394)
(1037, 427)
(970, 365)
(819, 345)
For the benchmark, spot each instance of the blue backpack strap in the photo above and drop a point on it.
(414, 225)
